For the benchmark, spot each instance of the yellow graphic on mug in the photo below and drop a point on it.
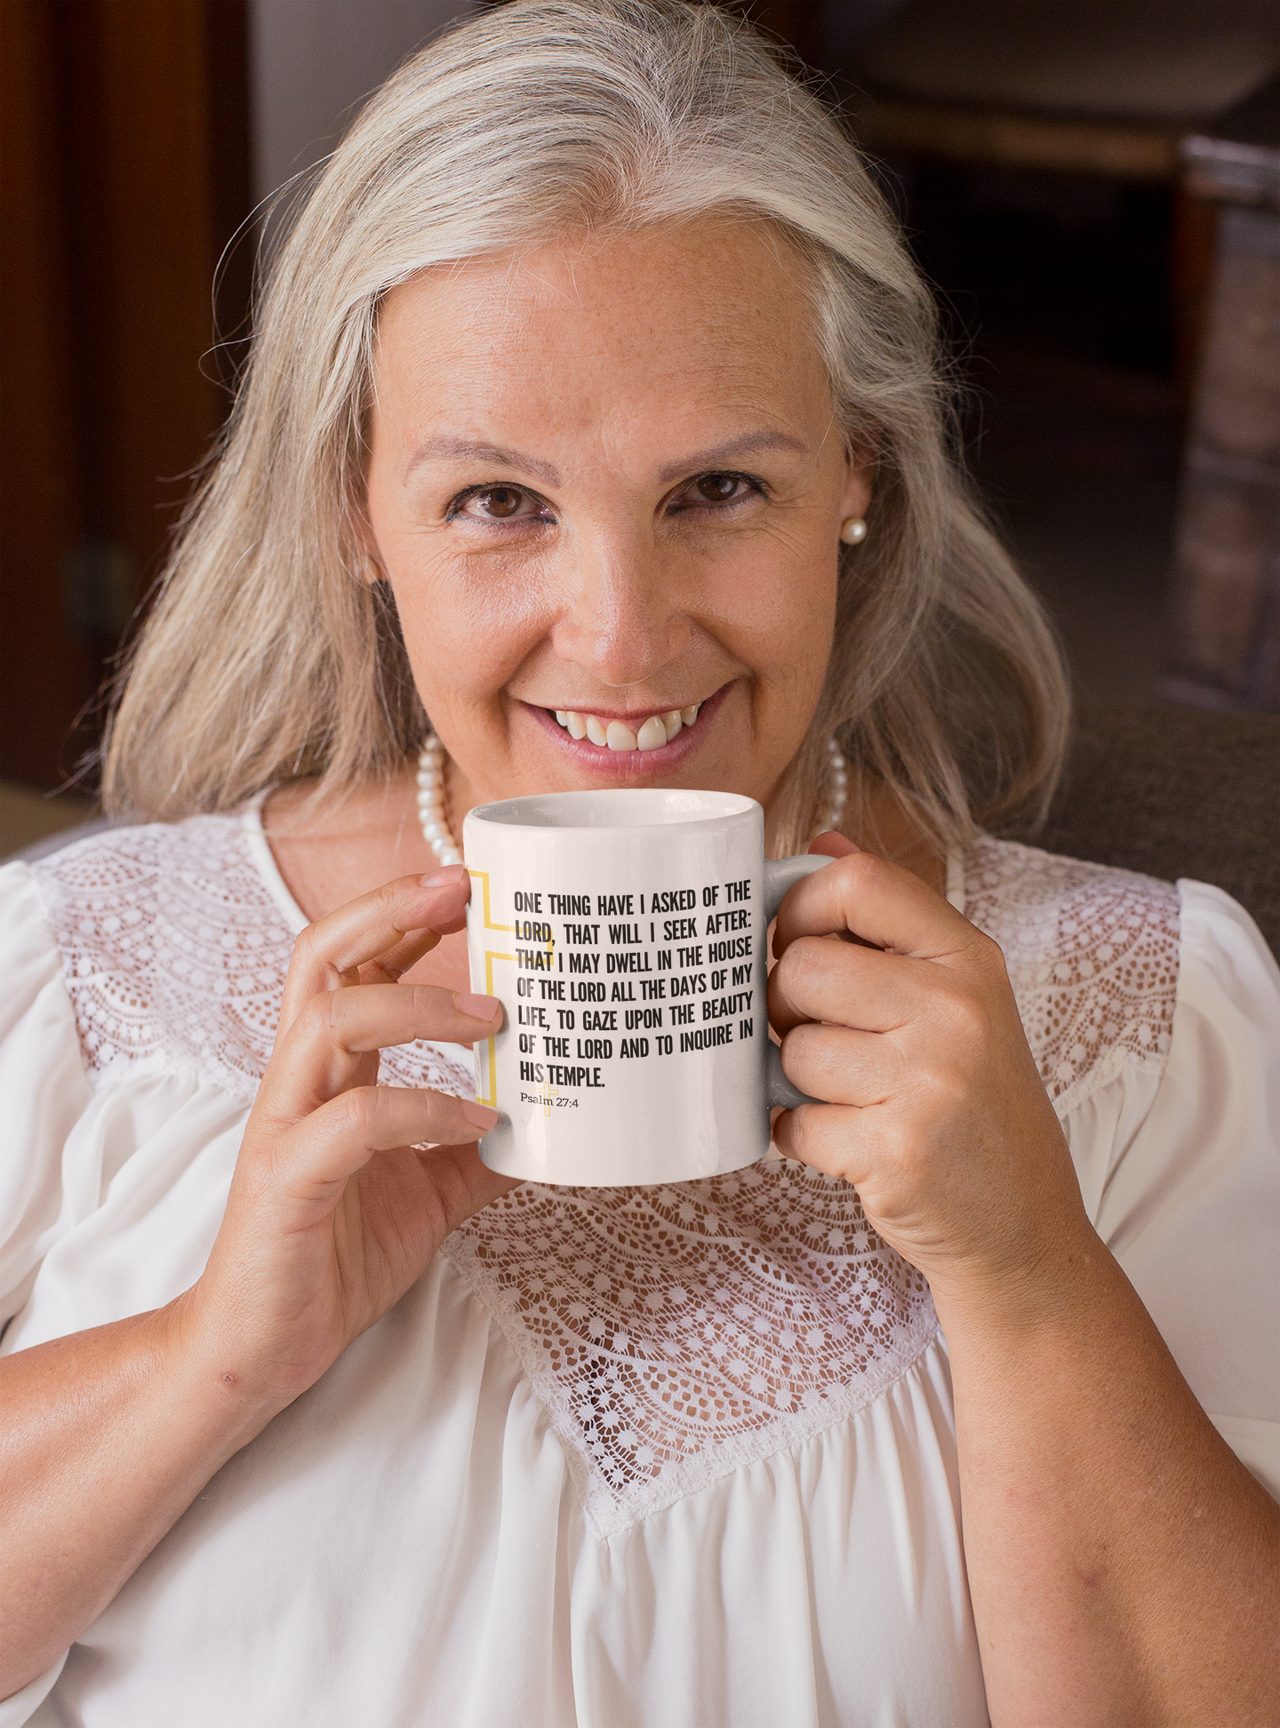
(490, 1094)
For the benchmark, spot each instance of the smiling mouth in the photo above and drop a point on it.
(651, 734)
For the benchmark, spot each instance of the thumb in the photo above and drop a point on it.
(832, 845)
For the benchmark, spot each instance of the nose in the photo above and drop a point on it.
(624, 614)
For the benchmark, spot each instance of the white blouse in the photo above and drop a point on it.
(669, 1457)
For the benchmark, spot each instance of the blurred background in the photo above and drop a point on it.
(1092, 186)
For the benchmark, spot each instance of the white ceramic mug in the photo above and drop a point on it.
(624, 934)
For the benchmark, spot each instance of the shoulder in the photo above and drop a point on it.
(1228, 1010)
(27, 937)
(1093, 955)
(29, 956)
(170, 946)
(1220, 938)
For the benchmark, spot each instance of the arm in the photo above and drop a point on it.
(108, 1437)
(1124, 1566)
(334, 1210)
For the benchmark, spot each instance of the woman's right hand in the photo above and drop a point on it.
(336, 1206)
(337, 1203)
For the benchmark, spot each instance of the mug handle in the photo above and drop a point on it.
(780, 874)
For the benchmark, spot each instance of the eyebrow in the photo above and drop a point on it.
(746, 444)
(469, 450)
(466, 450)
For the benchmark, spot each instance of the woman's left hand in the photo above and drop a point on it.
(935, 1110)
(1121, 1560)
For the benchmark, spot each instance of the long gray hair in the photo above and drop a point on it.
(269, 654)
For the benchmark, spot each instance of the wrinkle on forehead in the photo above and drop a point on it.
(698, 314)
(549, 261)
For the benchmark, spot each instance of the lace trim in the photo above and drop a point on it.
(1092, 955)
(174, 956)
(673, 1334)
(677, 1334)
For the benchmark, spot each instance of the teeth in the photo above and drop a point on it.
(657, 730)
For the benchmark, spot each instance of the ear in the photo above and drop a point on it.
(366, 546)
(859, 477)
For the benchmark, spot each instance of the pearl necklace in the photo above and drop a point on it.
(439, 836)
(431, 812)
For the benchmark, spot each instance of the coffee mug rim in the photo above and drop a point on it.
(737, 805)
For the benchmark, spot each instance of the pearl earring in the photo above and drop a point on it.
(853, 530)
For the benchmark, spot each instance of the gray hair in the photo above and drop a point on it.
(270, 655)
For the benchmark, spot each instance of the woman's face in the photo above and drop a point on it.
(606, 488)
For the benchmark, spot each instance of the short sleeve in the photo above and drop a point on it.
(1187, 1196)
(43, 1086)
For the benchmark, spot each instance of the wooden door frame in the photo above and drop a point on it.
(126, 171)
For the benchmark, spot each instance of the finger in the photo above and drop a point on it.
(848, 985)
(319, 1055)
(839, 1065)
(881, 902)
(463, 1181)
(390, 967)
(317, 1156)
(830, 844)
(817, 979)
(329, 952)
(829, 1137)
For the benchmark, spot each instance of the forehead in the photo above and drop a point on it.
(710, 315)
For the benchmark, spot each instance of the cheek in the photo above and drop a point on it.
(466, 631)
(779, 603)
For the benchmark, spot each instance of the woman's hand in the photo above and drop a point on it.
(936, 1112)
(1121, 1560)
(335, 1208)
(338, 1203)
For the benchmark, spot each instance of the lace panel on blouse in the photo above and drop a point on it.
(1092, 954)
(672, 1334)
(676, 1333)
(174, 955)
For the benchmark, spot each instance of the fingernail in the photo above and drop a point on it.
(479, 1115)
(443, 878)
(479, 1007)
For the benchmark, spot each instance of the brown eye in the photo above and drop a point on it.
(501, 500)
(717, 488)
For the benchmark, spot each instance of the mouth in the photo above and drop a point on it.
(630, 745)
(607, 734)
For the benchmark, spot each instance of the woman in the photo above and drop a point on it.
(594, 413)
